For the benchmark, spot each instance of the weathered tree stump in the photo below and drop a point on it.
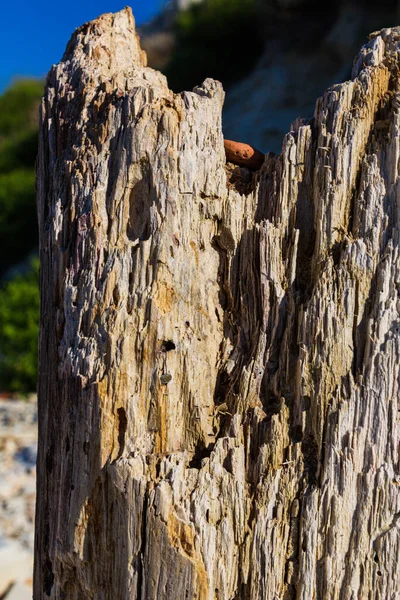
(219, 349)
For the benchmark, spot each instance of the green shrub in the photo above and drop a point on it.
(217, 38)
(19, 106)
(18, 220)
(19, 327)
(18, 149)
(19, 296)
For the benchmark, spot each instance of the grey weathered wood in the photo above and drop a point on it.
(219, 350)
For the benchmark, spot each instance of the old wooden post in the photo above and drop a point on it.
(219, 349)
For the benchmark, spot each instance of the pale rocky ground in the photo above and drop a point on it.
(18, 441)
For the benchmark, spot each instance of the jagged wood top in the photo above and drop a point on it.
(219, 372)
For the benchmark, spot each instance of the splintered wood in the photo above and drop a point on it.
(219, 349)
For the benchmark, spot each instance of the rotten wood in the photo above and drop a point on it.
(219, 364)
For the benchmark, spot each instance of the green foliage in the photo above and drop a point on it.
(217, 38)
(19, 296)
(19, 106)
(19, 326)
(18, 222)
(18, 150)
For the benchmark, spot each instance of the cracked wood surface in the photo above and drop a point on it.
(219, 349)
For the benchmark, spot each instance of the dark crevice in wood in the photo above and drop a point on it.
(309, 447)
(48, 576)
(122, 425)
(141, 557)
(201, 452)
(140, 203)
(356, 349)
(50, 459)
(167, 346)
(240, 179)
(223, 387)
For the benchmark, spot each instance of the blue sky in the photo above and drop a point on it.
(35, 33)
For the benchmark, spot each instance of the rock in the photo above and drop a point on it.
(243, 155)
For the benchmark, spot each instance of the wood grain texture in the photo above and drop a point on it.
(219, 349)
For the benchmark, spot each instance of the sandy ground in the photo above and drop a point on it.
(18, 442)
